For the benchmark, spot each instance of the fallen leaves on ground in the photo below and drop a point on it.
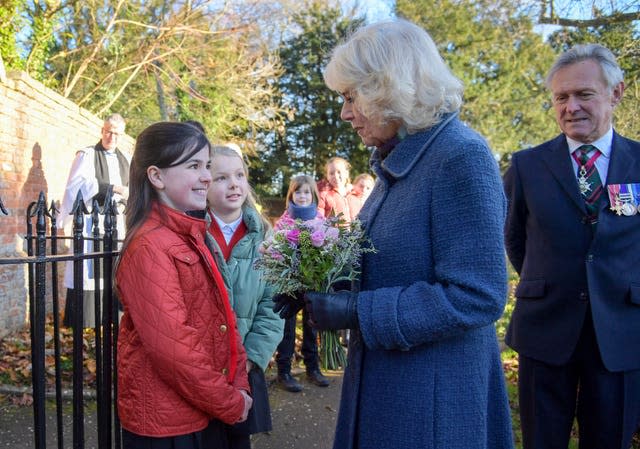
(15, 358)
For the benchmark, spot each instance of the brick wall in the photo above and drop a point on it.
(40, 131)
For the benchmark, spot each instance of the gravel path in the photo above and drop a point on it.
(302, 420)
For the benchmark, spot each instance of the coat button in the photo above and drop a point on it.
(584, 296)
(223, 328)
(590, 258)
(225, 371)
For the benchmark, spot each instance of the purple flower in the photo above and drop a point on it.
(316, 224)
(317, 238)
(275, 255)
(285, 222)
(293, 236)
(332, 234)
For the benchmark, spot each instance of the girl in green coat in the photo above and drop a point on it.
(235, 231)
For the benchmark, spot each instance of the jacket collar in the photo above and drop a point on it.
(404, 156)
(249, 216)
(624, 163)
(177, 221)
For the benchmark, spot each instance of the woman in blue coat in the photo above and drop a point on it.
(424, 367)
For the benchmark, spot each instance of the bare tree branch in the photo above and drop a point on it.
(85, 63)
(598, 21)
(183, 29)
(135, 68)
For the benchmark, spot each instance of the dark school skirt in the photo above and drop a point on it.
(259, 419)
(216, 432)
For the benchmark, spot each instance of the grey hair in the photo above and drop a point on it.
(611, 71)
(393, 71)
(115, 119)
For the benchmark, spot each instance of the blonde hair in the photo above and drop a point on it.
(335, 159)
(363, 176)
(298, 182)
(233, 150)
(393, 71)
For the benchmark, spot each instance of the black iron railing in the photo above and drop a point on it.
(42, 261)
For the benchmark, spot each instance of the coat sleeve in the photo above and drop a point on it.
(154, 300)
(266, 331)
(515, 227)
(466, 287)
(241, 380)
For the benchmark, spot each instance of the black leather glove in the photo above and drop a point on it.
(287, 305)
(332, 311)
(341, 285)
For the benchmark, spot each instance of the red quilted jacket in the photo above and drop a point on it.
(180, 357)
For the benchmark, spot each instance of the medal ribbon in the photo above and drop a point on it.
(589, 178)
(585, 162)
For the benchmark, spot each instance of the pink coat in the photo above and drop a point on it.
(331, 203)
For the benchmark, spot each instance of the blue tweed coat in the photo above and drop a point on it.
(424, 368)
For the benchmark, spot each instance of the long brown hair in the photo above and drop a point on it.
(163, 144)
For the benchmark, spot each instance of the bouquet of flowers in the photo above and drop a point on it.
(314, 255)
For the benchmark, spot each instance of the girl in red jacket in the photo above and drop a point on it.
(180, 359)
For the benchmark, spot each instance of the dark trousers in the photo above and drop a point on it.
(606, 404)
(284, 354)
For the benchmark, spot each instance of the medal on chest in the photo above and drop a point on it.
(583, 183)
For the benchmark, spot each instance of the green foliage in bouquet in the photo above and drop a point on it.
(314, 255)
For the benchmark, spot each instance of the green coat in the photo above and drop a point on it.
(260, 327)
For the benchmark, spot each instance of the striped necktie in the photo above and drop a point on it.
(589, 180)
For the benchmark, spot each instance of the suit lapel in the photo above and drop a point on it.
(558, 162)
(623, 166)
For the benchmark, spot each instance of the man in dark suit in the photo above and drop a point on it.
(574, 239)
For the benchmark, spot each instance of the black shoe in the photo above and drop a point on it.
(289, 383)
(317, 378)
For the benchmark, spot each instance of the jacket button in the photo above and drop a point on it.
(225, 371)
(223, 328)
(584, 296)
(590, 258)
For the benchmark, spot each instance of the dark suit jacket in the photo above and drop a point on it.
(564, 265)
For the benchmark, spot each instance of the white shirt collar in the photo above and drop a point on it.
(228, 229)
(603, 144)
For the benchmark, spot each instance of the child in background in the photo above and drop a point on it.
(236, 230)
(177, 369)
(362, 186)
(302, 199)
(333, 190)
